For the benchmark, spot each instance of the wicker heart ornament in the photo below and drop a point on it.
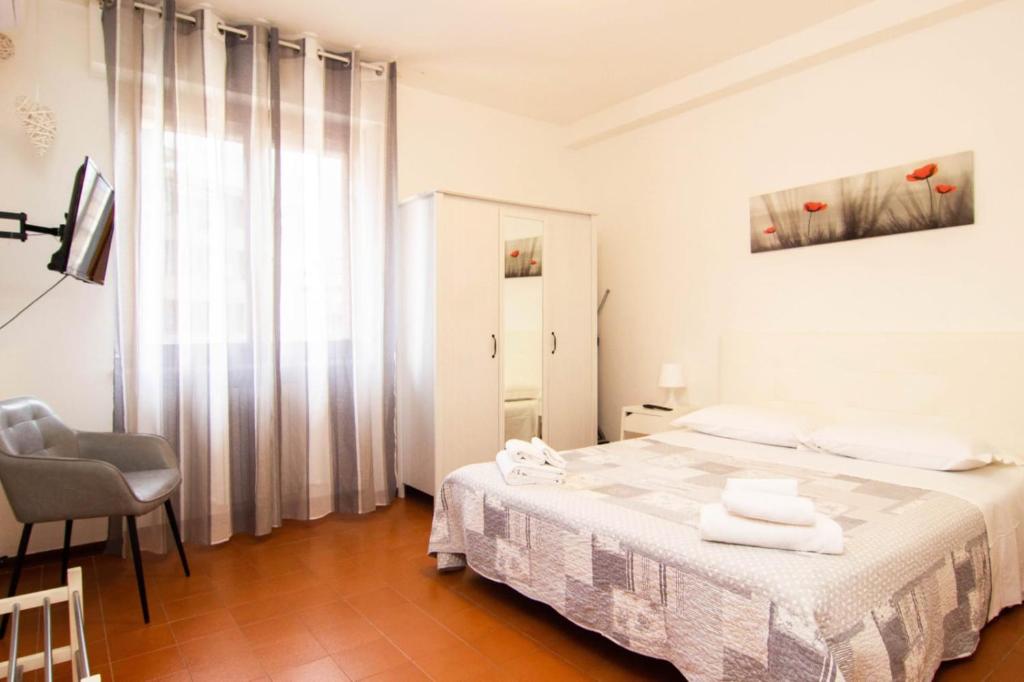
(39, 122)
(6, 46)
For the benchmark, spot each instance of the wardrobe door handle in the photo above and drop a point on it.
(494, 348)
(554, 343)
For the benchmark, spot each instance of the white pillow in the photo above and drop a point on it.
(750, 423)
(912, 445)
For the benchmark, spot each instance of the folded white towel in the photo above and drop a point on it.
(551, 456)
(779, 486)
(535, 452)
(521, 451)
(519, 473)
(718, 525)
(791, 509)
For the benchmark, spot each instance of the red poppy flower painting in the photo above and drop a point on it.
(813, 207)
(523, 257)
(942, 189)
(912, 197)
(923, 173)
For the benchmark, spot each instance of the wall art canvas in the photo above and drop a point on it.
(523, 257)
(921, 195)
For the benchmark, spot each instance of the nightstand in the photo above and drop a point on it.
(639, 421)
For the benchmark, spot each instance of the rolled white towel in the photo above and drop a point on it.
(551, 456)
(518, 473)
(778, 486)
(523, 452)
(791, 509)
(718, 525)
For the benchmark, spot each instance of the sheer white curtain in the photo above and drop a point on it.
(255, 210)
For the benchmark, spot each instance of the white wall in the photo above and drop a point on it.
(61, 350)
(673, 204)
(446, 143)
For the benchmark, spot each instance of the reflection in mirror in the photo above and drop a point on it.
(523, 326)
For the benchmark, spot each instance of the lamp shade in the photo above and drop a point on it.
(671, 376)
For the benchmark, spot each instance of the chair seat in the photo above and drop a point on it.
(153, 485)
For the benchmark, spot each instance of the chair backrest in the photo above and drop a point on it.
(29, 427)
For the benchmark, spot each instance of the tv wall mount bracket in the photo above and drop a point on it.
(25, 227)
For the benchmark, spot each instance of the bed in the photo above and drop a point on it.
(930, 556)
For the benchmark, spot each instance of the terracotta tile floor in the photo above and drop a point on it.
(354, 598)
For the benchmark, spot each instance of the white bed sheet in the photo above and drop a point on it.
(996, 490)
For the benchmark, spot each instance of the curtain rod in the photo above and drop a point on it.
(224, 28)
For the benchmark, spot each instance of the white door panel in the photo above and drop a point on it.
(570, 333)
(468, 328)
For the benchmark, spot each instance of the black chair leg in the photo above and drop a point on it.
(177, 536)
(140, 579)
(26, 533)
(65, 555)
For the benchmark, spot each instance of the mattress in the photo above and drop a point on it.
(617, 550)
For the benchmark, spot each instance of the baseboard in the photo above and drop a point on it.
(36, 558)
(417, 494)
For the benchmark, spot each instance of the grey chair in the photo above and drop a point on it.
(53, 473)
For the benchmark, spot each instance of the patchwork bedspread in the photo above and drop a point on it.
(617, 550)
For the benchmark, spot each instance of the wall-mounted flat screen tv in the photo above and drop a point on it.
(85, 240)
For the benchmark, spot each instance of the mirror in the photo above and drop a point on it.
(523, 331)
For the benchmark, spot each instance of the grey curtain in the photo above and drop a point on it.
(256, 215)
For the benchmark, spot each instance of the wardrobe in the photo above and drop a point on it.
(497, 334)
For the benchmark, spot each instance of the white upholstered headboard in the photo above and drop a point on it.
(975, 380)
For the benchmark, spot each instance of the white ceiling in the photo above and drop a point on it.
(556, 60)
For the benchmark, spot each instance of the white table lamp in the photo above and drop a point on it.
(672, 378)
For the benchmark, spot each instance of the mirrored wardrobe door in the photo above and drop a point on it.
(522, 325)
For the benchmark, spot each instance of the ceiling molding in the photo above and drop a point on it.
(862, 27)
